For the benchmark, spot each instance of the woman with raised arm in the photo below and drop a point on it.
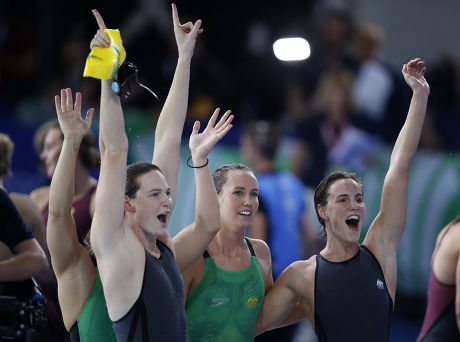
(142, 282)
(347, 291)
(225, 286)
(79, 286)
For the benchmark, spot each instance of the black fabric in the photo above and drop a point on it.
(159, 313)
(352, 302)
(74, 333)
(13, 230)
(444, 328)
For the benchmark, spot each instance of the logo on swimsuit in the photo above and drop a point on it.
(380, 284)
(219, 301)
(252, 302)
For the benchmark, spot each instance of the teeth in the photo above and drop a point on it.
(353, 217)
(247, 213)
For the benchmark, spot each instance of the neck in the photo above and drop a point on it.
(148, 241)
(337, 251)
(228, 242)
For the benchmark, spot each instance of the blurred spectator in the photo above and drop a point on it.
(280, 221)
(378, 91)
(329, 138)
(24, 258)
(48, 142)
(444, 106)
(26, 207)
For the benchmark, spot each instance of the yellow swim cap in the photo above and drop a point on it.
(103, 63)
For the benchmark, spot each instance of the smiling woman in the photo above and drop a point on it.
(225, 287)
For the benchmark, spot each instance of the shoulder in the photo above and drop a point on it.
(260, 248)
(28, 209)
(25, 202)
(40, 196)
(303, 268)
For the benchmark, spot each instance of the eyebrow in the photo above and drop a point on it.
(346, 195)
(243, 188)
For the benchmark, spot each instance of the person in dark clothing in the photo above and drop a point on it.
(347, 291)
(24, 259)
(138, 261)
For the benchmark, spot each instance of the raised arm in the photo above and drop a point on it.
(192, 241)
(385, 232)
(65, 250)
(113, 144)
(170, 124)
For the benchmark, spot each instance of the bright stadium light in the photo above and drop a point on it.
(291, 49)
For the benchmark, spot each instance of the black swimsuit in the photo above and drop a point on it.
(352, 302)
(158, 314)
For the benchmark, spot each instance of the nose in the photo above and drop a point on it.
(166, 199)
(247, 200)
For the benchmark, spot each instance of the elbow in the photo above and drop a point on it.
(211, 227)
(115, 149)
(38, 262)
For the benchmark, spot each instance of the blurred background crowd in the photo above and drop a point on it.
(340, 108)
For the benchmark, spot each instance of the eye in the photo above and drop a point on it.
(154, 194)
(238, 192)
(254, 194)
(168, 193)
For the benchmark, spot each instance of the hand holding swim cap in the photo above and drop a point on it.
(107, 52)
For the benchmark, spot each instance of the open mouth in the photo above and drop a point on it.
(352, 221)
(162, 218)
(244, 213)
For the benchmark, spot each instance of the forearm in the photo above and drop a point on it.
(113, 137)
(409, 136)
(207, 211)
(22, 266)
(170, 124)
(62, 183)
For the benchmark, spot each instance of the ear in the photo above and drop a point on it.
(322, 212)
(128, 205)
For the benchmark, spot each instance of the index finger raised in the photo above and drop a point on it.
(175, 15)
(100, 21)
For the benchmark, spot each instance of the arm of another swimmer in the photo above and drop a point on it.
(279, 308)
(192, 241)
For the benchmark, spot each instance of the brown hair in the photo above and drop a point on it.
(133, 172)
(322, 190)
(6, 153)
(219, 176)
(88, 153)
(264, 135)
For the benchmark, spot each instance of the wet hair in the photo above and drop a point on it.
(322, 190)
(456, 219)
(133, 172)
(88, 153)
(264, 135)
(6, 153)
(219, 176)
